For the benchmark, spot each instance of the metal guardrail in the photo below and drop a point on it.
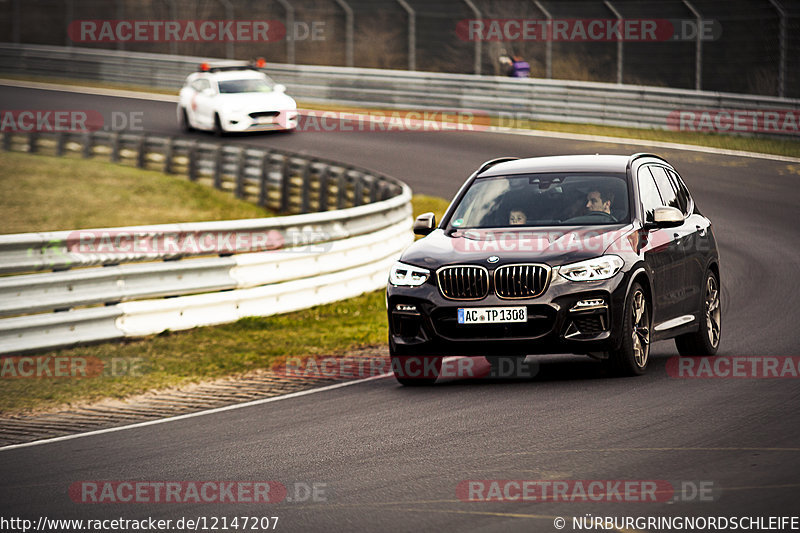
(252, 267)
(535, 99)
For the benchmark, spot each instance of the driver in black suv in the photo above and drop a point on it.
(600, 201)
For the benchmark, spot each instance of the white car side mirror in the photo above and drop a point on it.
(279, 88)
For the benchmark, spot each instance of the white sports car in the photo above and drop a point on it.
(234, 97)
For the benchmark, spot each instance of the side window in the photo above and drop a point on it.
(648, 193)
(683, 193)
(665, 187)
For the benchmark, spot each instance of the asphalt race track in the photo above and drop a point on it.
(391, 458)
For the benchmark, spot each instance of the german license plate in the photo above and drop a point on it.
(492, 315)
(265, 120)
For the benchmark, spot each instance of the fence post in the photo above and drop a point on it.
(412, 34)
(548, 45)
(619, 41)
(698, 53)
(782, 47)
(478, 42)
(290, 50)
(349, 32)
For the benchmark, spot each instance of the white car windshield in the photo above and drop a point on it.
(532, 200)
(247, 85)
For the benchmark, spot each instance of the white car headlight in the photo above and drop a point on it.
(598, 268)
(407, 275)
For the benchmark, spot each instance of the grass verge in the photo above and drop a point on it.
(93, 193)
(43, 193)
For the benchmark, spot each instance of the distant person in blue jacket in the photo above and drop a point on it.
(519, 68)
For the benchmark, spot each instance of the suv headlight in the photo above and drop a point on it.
(598, 268)
(408, 276)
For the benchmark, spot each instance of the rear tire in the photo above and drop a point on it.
(705, 341)
(634, 353)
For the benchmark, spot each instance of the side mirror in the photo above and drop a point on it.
(279, 88)
(666, 217)
(208, 91)
(424, 224)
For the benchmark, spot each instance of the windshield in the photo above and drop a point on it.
(534, 200)
(248, 85)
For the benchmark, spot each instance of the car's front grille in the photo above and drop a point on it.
(259, 114)
(521, 281)
(589, 325)
(463, 282)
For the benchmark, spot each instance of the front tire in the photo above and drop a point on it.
(705, 341)
(631, 358)
(186, 126)
(218, 131)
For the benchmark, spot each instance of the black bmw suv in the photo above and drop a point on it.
(592, 254)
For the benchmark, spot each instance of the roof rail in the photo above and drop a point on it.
(640, 155)
(492, 162)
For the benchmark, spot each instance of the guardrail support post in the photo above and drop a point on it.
(478, 42)
(87, 145)
(191, 165)
(305, 198)
(240, 165)
(285, 185)
(61, 140)
(263, 192)
(114, 147)
(323, 187)
(141, 152)
(218, 159)
(168, 154)
(33, 146)
(358, 191)
(412, 34)
(620, 56)
(341, 190)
